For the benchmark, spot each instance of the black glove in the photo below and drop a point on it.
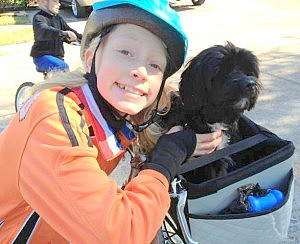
(170, 152)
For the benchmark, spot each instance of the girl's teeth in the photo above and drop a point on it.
(130, 90)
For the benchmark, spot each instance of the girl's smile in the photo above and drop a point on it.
(130, 90)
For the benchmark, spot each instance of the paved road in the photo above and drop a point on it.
(271, 29)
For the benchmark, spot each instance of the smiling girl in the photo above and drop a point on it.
(59, 150)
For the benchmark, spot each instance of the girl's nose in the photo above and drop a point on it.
(139, 73)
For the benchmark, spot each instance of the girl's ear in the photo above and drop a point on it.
(88, 57)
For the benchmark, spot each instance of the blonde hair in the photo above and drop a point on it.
(145, 139)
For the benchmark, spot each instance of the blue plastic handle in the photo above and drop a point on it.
(272, 199)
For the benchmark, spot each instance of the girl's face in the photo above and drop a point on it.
(130, 66)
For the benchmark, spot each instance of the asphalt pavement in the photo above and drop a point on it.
(270, 28)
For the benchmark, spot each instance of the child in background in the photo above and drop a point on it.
(50, 31)
(73, 131)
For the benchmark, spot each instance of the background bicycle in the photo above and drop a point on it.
(23, 91)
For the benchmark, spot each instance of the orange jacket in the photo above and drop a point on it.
(54, 191)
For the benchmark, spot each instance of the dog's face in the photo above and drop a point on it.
(219, 84)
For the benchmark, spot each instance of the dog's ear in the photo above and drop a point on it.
(175, 116)
(196, 80)
(249, 62)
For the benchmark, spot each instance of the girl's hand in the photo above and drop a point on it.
(207, 143)
(175, 129)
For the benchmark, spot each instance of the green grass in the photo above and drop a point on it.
(15, 36)
(14, 20)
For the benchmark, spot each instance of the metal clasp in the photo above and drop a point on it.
(180, 192)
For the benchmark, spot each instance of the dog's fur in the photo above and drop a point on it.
(217, 86)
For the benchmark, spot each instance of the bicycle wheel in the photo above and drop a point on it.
(22, 94)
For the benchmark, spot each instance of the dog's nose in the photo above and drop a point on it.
(249, 84)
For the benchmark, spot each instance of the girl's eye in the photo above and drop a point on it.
(155, 66)
(124, 52)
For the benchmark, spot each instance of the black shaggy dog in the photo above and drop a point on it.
(217, 86)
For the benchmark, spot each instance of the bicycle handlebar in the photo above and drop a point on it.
(77, 42)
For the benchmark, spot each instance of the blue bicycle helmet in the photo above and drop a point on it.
(155, 15)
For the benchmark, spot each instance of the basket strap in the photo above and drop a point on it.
(203, 160)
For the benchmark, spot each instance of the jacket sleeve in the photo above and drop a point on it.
(43, 31)
(66, 187)
(68, 28)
